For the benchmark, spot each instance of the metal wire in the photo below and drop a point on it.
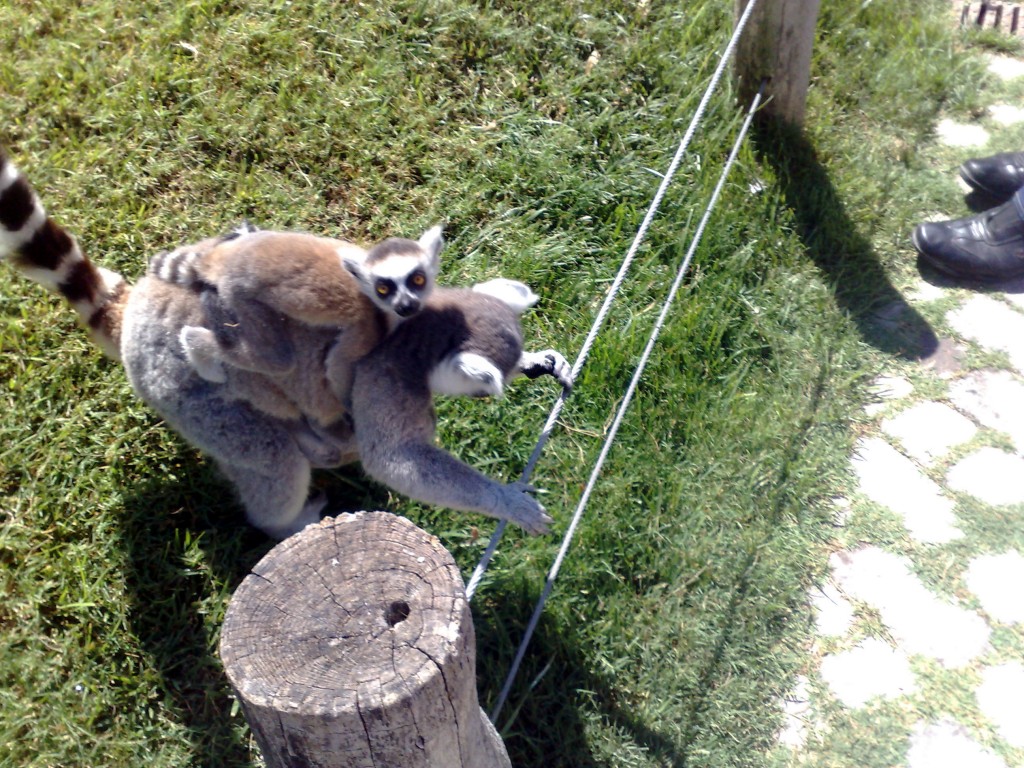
(634, 382)
(492, 546)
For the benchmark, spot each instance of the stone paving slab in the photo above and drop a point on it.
(994, 325)
(1005, 67)
(833, 613)
(893, 634)
(928, 430)
(993, 399)
(874, 669)
(998, 583)
(920, 621)
(966, 135)
(1001, 700)
(894, 481)
(887, 389)
(947, 744)
(1006, 114)
(992, 475)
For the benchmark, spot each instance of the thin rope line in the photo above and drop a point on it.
(492, 546)
(633, 384)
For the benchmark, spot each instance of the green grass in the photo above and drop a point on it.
(679, 617)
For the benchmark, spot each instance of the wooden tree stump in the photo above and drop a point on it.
(776, 46)
(351, 644)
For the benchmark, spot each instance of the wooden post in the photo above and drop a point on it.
(776, 45)
(351, 644)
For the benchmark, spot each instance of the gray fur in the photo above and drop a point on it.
(393, 406)
(255, 448)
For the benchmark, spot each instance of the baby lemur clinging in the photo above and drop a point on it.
(246, 423)
(251, 278)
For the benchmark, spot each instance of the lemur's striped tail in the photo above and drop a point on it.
(180, 267)
(45, 252)
(184, 265)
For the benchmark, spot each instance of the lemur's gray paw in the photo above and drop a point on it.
(547, 362)
(201, 349)
(524, 510)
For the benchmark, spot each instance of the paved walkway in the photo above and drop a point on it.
(920, 625)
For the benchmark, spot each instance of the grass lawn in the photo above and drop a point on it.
(680, 616)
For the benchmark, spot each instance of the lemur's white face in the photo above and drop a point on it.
(398, 275)
(401, 284)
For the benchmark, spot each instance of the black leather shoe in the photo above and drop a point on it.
(998, 176)
(989, 246)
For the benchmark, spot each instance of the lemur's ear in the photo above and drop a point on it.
(517, 295)
(431, 242)
(354, 261)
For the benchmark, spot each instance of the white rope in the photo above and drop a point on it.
(492, 546)
(634, 382)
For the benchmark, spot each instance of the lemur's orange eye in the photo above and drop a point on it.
(383, 289)
(419, 280)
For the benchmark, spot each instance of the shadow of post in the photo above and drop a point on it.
(845, 257)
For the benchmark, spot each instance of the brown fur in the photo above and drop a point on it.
(298, 275)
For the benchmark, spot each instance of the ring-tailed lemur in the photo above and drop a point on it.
(251, 278)
(235, 422)
(468, 342)
(464, 342)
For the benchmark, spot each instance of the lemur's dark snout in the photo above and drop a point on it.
(407, 309)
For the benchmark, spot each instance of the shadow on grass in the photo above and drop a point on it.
(846, 259)
(182, 562)
(543, 722)
(540, 722)
(189, 547)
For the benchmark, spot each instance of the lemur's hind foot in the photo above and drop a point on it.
(326, 447)
(277, 502)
